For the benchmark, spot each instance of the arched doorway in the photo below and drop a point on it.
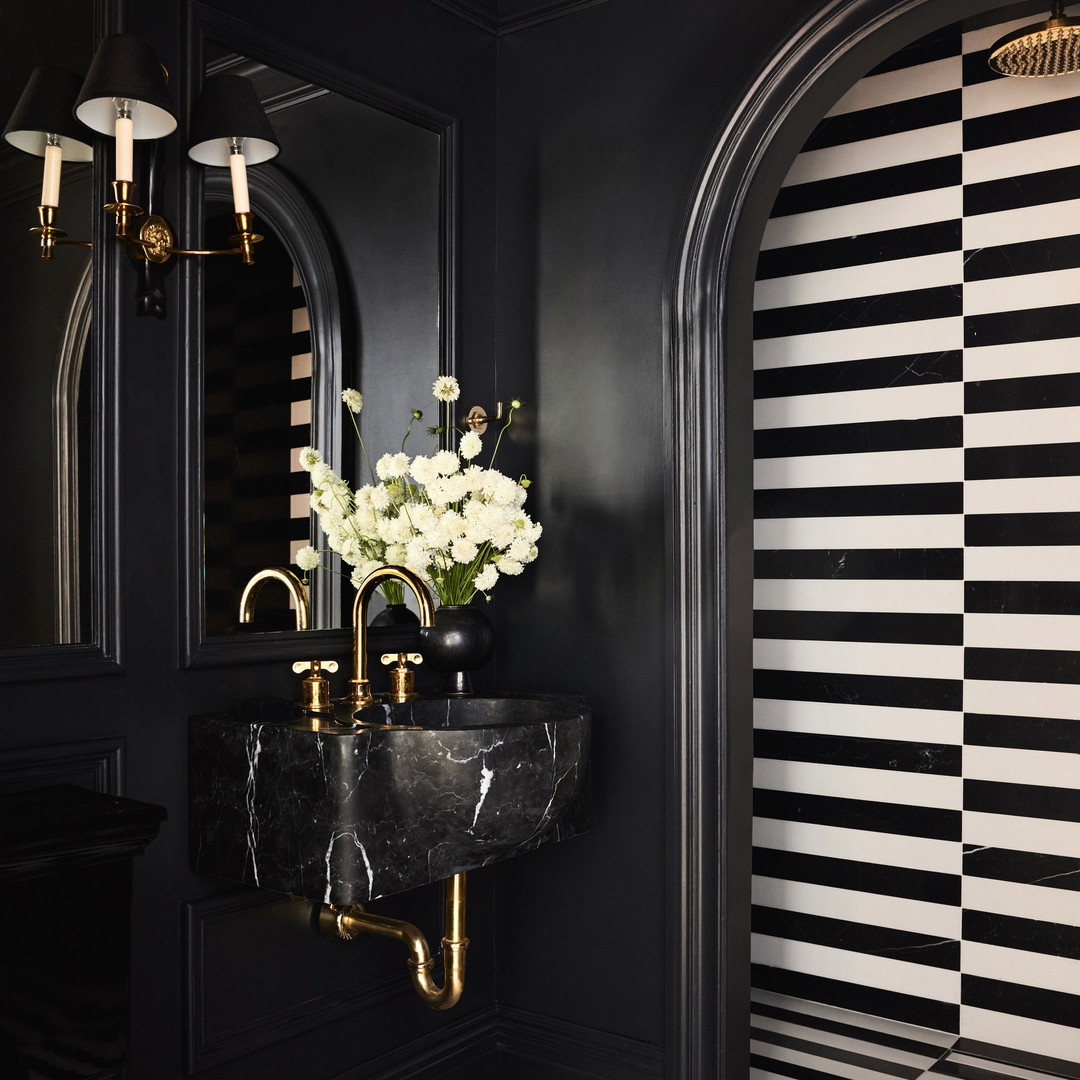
(712, 501)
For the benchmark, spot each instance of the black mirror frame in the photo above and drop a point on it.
(298, 227)
(100, 655)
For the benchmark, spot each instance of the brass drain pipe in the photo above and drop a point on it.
(348, 922)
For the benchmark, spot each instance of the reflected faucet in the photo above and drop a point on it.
(290, 581)
(360, 696)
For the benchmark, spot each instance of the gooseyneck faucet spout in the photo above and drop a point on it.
(360, 695)
(301, 604)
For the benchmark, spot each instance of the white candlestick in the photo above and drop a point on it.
(238, 169)
(125, 154)
(50, 180)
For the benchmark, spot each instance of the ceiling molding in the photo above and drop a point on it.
(500, 17)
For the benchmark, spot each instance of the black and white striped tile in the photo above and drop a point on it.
(804, 1040)
(917, 593)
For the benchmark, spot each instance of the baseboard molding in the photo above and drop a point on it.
(445, 1054)
(577, 1050)
(511, 1043)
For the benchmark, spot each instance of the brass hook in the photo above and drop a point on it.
(477, 419)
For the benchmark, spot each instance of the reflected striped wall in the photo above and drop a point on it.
(917, 526)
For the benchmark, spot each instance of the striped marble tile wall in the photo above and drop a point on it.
(917, 592)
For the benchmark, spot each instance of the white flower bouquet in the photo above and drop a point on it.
(458, 525)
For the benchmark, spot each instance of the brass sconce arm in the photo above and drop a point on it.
(154, 240)
(348, 923)
(52, 237)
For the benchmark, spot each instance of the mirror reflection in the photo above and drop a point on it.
(350, 211)
(45, 439)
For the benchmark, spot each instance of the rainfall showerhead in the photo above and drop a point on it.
(1046, 48)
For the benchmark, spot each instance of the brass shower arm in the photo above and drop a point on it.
(346, 923)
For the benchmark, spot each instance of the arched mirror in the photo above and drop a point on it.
(58, 609)
(348, 290)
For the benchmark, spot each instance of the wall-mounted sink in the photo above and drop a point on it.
(345, 814)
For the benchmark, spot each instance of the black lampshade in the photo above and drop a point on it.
(229, 108)
(125, 67)
(44, 109)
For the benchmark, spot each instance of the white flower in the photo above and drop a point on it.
(445, 462)
(474, 476)
(353, 399)
(348, 549)
(333, 523)
(309, 458)
(422, 518)
(322, 475)
(470, 445)
(362, 570)
(446, 388)
(509, 566)
(464, 551)
(380, 498)
(422, 469)
(417, 556)
(519, 549)
(391, 466)
(501, 490)
(486, 578)
(307, 558)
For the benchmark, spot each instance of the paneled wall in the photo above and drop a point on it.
(917, 574)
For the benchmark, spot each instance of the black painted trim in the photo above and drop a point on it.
(300, 230)
(101, 654)
(450, 1052)
(284, 207)
(533, 12)
(101, 761)
(204, 1050)
(581, 1051)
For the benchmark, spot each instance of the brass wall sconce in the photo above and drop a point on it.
(125, 96)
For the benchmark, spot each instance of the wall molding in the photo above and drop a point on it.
(203, 1050)
(492, 16)
(585, 1051)
(436, 1055)
(94, 763)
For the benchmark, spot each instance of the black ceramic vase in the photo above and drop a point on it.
(461, 641)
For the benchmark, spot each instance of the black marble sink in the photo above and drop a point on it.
(434, 787)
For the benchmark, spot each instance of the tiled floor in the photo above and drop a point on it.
(802, 1040)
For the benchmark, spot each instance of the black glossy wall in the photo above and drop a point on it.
(583, 131)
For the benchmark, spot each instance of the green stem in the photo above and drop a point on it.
(509, 421)
(363, 448)
(412, 417)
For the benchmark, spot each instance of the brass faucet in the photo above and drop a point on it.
(360, 696)
(315, 695)
(290, 581)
